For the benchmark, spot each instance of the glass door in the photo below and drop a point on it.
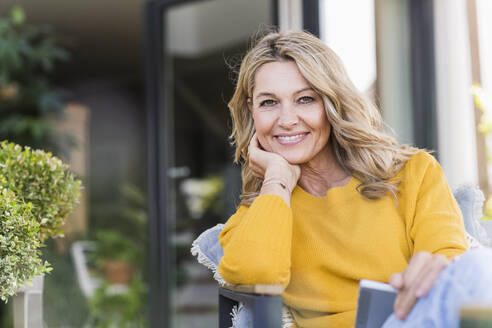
(201, 41)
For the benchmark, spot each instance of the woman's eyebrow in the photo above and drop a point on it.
(269, 94)
(266, 94)
(304, 89)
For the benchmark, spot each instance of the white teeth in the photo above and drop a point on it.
(291, 138)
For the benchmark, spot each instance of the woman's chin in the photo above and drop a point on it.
(294, 160)
(297, 162)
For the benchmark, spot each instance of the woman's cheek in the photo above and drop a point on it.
(263, 125)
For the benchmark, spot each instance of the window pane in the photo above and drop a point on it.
(202, 38)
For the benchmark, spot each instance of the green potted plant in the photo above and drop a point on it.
(115, 255)
(39, 191)
(28, 99)
(120, 243)
(118, 255)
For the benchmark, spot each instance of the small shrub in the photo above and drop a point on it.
(37, 192)
(19, 255)
(39, 178)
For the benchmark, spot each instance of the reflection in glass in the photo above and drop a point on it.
(202, 38)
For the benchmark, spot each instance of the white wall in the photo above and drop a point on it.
(455, 111)
(348, 28)
(484, 15)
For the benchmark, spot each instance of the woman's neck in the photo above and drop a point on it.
(321, 174)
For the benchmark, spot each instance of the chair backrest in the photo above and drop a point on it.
(471, 200)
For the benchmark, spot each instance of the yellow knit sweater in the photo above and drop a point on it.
(321, 247)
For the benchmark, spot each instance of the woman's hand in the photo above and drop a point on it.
(267, 166)
(416, 280)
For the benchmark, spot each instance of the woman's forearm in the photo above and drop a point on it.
(258, 249)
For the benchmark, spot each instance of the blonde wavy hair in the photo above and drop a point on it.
(357, 138)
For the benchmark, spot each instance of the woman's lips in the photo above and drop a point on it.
(291, 139)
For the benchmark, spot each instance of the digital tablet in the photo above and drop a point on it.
(375, 303)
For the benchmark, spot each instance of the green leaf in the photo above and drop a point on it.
(17, 15)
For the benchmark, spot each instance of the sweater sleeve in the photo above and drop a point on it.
(257, 243)
(437, 224)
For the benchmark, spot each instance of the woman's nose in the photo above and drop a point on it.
(288, 117)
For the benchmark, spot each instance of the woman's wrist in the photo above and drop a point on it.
(285, 176)
(275, 188)
(277, 181)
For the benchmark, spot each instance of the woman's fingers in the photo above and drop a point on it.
(404, 302)
(416, 281)
(264, 163)
(396, 280)
(417, 263)
(259, 158)
(254, 143)
(257, 172)
(254, 155)
(427, 281)
(413, 273)
(256, 169)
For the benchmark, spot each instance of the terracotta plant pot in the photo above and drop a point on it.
(118, 272)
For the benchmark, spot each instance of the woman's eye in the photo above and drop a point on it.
(267, 103)
(305, 100)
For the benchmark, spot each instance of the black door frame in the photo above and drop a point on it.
(422, 51)
(310, 16)
(159, 258)
(157, 148)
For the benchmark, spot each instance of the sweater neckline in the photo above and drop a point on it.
(335, 190)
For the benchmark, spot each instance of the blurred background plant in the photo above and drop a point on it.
(118, 256)
(203, 203)
(116, 309)
(115, 246)
(123, 236)
(485, 129)
(28, 99)
(201, 195)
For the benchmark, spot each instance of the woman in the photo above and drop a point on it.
(328, 197)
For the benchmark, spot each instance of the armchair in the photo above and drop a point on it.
(260, 306)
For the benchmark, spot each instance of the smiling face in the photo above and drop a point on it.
(289, 116)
